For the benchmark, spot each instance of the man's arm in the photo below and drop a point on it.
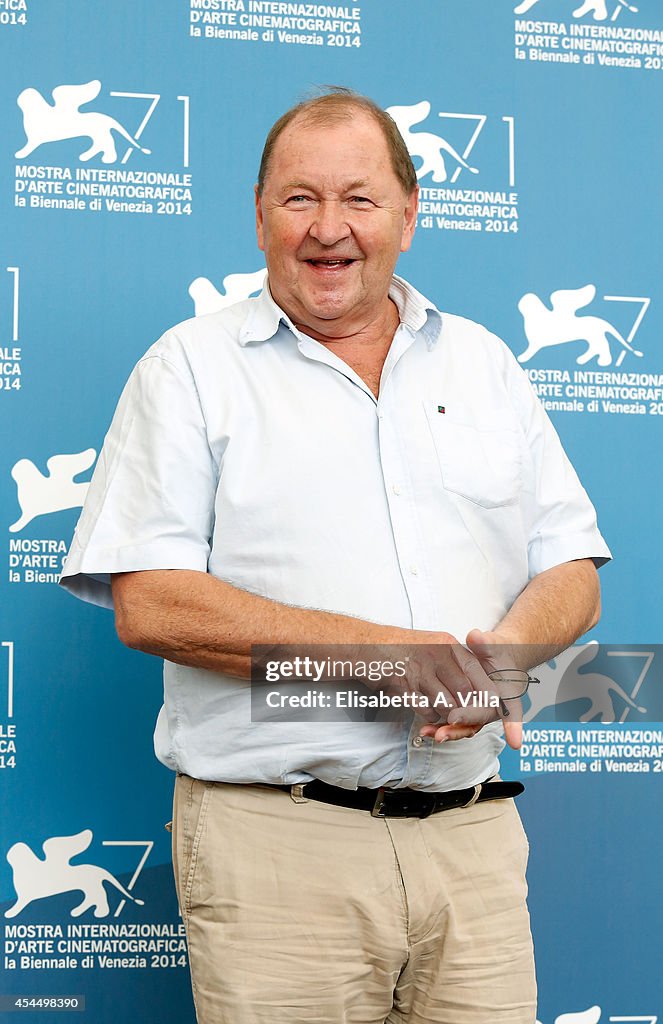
(195, 619)
(192, 618)
(554, 609)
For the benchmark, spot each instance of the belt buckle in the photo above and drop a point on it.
(382, 810)
(380, 801)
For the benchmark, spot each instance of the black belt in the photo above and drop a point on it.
(401, 803)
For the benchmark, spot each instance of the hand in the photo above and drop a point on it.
(445, 679)
(491, 651)
(443, 673)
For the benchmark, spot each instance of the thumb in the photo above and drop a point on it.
(485, 646)
(492, 649)
(489, 647)
(513, 733)
(477, 638)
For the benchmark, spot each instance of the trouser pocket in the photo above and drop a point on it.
(190, 808)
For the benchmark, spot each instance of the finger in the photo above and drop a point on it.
(431, 715)
(479, 642)
(459, 675)
(432, 672)
(466, 722)
(469, 674)
(480, 712)
(513, 734)
(513, 725)
(448, 731)
(478, 717)
(435, 685)
(490, 652)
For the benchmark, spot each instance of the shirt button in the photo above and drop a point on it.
(418, 741)
(414, 570)
(396, 488)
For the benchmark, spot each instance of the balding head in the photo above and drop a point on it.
(336, 105)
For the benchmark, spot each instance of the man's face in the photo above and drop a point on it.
(332, 219)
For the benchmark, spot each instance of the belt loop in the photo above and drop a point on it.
(297, 793)
(475, 796)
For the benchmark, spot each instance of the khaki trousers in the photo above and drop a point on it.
(306, 913)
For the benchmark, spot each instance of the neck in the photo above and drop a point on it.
(369, 335)
(365, 350)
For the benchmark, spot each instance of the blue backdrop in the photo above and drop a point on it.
(129, 143)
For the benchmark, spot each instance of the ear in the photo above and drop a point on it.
(410, 219)
(259, 224)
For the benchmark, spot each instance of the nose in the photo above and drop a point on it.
(329, 223)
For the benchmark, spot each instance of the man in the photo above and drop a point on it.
(335, 462)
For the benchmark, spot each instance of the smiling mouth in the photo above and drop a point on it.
(322, 264)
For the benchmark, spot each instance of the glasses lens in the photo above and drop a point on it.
(509, 683)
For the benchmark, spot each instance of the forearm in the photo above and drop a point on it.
(195, 619)
(554, 609)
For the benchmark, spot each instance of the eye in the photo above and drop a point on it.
(360, 201)
(298, 200)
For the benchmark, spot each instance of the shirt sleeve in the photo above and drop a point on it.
(150, 504)
(559, 517)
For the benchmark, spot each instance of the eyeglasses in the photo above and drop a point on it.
(510, 684)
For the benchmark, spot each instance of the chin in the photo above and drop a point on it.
(330, 307)
(328, 313)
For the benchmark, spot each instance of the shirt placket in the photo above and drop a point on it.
(408, 539)
(402, 508)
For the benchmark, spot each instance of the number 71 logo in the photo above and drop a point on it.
(153, 101)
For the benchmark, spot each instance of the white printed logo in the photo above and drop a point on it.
(8, 737)
(10, 355)
(14, 304)
(560, 324)
(590, 1016)
(8, 655)
(597, 8)
(428, 147)
(36, 879)
(593, 1016)
(445, 205)
(563, 683)
(39, 495)
(45, 123)
(207, 298)
(425, 145)
(102, 189)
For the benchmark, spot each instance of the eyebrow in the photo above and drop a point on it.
(353, 186)
(294, 186)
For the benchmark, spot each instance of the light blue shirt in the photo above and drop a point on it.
(243, 448)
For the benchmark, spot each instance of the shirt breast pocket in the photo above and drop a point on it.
(479, 461)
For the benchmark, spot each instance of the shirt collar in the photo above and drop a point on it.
(416, 313)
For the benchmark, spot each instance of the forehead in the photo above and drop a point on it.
(353, 146)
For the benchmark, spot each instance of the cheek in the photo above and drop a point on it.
(285, 236)
(381, 243)
(380, 254)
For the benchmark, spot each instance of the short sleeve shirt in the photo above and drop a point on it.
(246, 449)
